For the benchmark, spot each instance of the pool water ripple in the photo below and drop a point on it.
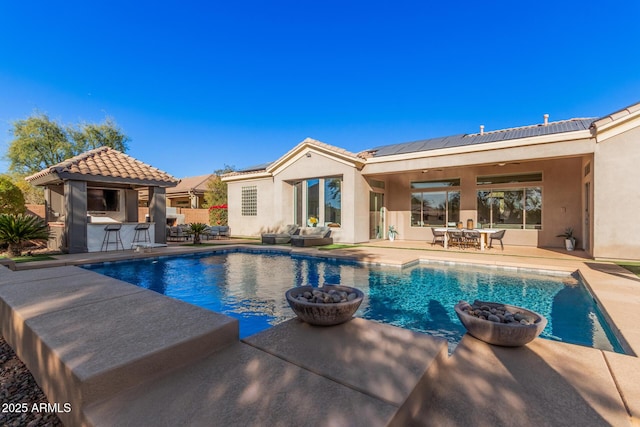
(251, 287)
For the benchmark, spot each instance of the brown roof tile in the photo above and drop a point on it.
(329, 147)
(107, 163)
(192, 183)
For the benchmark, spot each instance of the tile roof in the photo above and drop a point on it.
(308, 142)
(192, 183)
(474, 139)
(332, 148)
(627, 111)
(460, 140)
(106, 164)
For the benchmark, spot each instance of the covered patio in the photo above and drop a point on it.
(531, 192)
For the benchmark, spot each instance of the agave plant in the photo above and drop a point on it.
(197, 228)
(17, 229)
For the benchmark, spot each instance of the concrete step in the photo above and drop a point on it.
(380, 360)
(241, 386)
(85, 336)
(360, 373)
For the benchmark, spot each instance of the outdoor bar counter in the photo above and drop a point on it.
(96, 235)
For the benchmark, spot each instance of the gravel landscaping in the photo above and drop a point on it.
(19, 393)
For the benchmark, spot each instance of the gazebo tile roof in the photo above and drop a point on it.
(107, 163)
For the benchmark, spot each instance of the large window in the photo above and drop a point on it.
(313, 198)
(249, 201)
(103, 200)
(510, 208)
(322, 201)
(333, 200)
(434, 205)
(297, 202)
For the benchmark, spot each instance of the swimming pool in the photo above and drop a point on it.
(250, 286)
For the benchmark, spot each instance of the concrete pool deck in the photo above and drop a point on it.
(543, 383)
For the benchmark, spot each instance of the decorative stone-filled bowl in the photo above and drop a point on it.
(513, 334)
(325, 313)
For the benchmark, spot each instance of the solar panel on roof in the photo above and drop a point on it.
(465, 140)
(255, 167)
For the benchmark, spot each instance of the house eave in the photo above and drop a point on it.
(617, 123)
(246, 176)
(59, 177)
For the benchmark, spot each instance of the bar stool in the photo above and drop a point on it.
(141, 235)
(111, 230)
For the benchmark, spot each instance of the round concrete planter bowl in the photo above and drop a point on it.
(503, 334)
(324, 314)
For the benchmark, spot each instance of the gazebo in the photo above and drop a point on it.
(97, 191)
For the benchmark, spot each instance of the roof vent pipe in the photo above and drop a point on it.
(546, 119)
(481, 129)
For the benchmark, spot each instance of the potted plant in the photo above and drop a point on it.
(569, 240)
(392, 233)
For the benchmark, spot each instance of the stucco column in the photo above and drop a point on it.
(158, 212)
(131, 206)
(75, 224)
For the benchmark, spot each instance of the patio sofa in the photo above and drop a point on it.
(178, 233)
(312, 236)
(281, 236)
(217, 232)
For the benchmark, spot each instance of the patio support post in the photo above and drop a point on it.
(131, 205)
(158, 212)
(75, 224)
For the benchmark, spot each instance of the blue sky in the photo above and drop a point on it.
(197, 85)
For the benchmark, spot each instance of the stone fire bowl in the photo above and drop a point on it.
(503, 334)
(324, 314)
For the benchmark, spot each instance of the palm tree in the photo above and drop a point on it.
(17, 229)
(197, 228)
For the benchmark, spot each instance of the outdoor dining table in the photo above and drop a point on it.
(484, 235)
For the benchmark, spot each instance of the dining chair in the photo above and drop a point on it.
(456, 237)
(498, 235)
(438, 236)
(472, 237)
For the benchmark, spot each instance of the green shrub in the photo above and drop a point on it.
(17, 229)
(11, 197)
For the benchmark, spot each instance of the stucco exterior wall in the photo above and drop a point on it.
(616, 194)
(561, 199)
(319, 165)
(276, 197)
(251, 225)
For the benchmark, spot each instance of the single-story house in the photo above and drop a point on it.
(534, 181)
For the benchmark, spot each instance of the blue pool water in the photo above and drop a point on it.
(251, 287)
